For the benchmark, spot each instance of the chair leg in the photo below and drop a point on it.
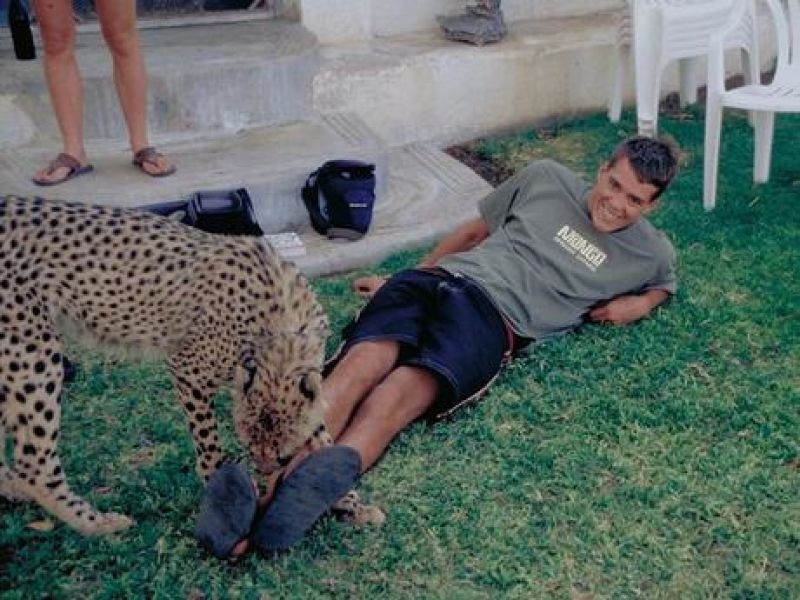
(647, 127)
(751, 76)
(688, 76)
(648, 89)
(711, 152)
(764, 127)
(647, 110)
(621, 62)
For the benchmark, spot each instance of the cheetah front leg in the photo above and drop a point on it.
(33, 408)
(9, 485)
(195, 393)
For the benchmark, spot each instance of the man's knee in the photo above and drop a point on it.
(410, 392)
(370, 356)
(370, 347)
(358, 371)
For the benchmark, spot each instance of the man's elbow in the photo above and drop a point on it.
(478, 230)
(659, 296)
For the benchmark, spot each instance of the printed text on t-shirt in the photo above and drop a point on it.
(577, 245)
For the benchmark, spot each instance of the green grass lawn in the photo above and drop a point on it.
(659, 460)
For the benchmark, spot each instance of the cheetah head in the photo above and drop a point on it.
(279, 404)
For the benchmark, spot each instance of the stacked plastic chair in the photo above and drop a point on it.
(782, 95)
(661, 31)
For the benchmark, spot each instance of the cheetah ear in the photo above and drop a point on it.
(310, 386)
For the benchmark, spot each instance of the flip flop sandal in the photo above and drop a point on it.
(72, 164)
(227, 510)
(305, 495)
(150, 156)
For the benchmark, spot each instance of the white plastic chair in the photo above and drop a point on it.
(661, 31)
(782, 95)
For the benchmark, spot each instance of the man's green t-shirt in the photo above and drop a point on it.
(544, 264)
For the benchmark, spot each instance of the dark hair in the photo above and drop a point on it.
(654, 160)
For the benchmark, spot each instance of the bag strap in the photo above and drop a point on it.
(310, 195)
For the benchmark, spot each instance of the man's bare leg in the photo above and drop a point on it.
(355, 376)
(398, 399)
(370, 401)
(401, 398)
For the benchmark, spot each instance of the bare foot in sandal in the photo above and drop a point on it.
(151, 162)
(62, 168)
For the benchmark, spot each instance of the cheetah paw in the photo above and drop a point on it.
(360, 515)
(8, 489)
(105, 523)
(371, 515)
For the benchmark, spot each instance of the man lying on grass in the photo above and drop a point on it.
(548, 252)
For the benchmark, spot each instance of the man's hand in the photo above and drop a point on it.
(627, 309)
(367, 287)
(465, 237)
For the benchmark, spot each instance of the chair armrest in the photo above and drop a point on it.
(718, 43)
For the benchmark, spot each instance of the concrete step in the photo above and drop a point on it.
(422, 87)
(203, 79)
(422, 192)
(271, 162)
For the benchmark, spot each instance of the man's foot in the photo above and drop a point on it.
(227, 512)
(62, 168)
(305, 495)
(151, 162)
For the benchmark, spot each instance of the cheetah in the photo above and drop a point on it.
(220, 309)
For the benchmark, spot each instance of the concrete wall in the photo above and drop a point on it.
(456, 93)
(342, 20)
(393, 17)
(336, 21)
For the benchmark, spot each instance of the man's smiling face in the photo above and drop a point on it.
(618, 198)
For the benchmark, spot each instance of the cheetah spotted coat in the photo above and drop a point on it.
(220, 309)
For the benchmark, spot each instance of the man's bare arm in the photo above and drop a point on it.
(465, 237)
(627, 309)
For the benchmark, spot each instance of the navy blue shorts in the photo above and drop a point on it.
(444, 323)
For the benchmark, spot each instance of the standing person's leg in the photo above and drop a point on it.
(63, 78)
(118, 24)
